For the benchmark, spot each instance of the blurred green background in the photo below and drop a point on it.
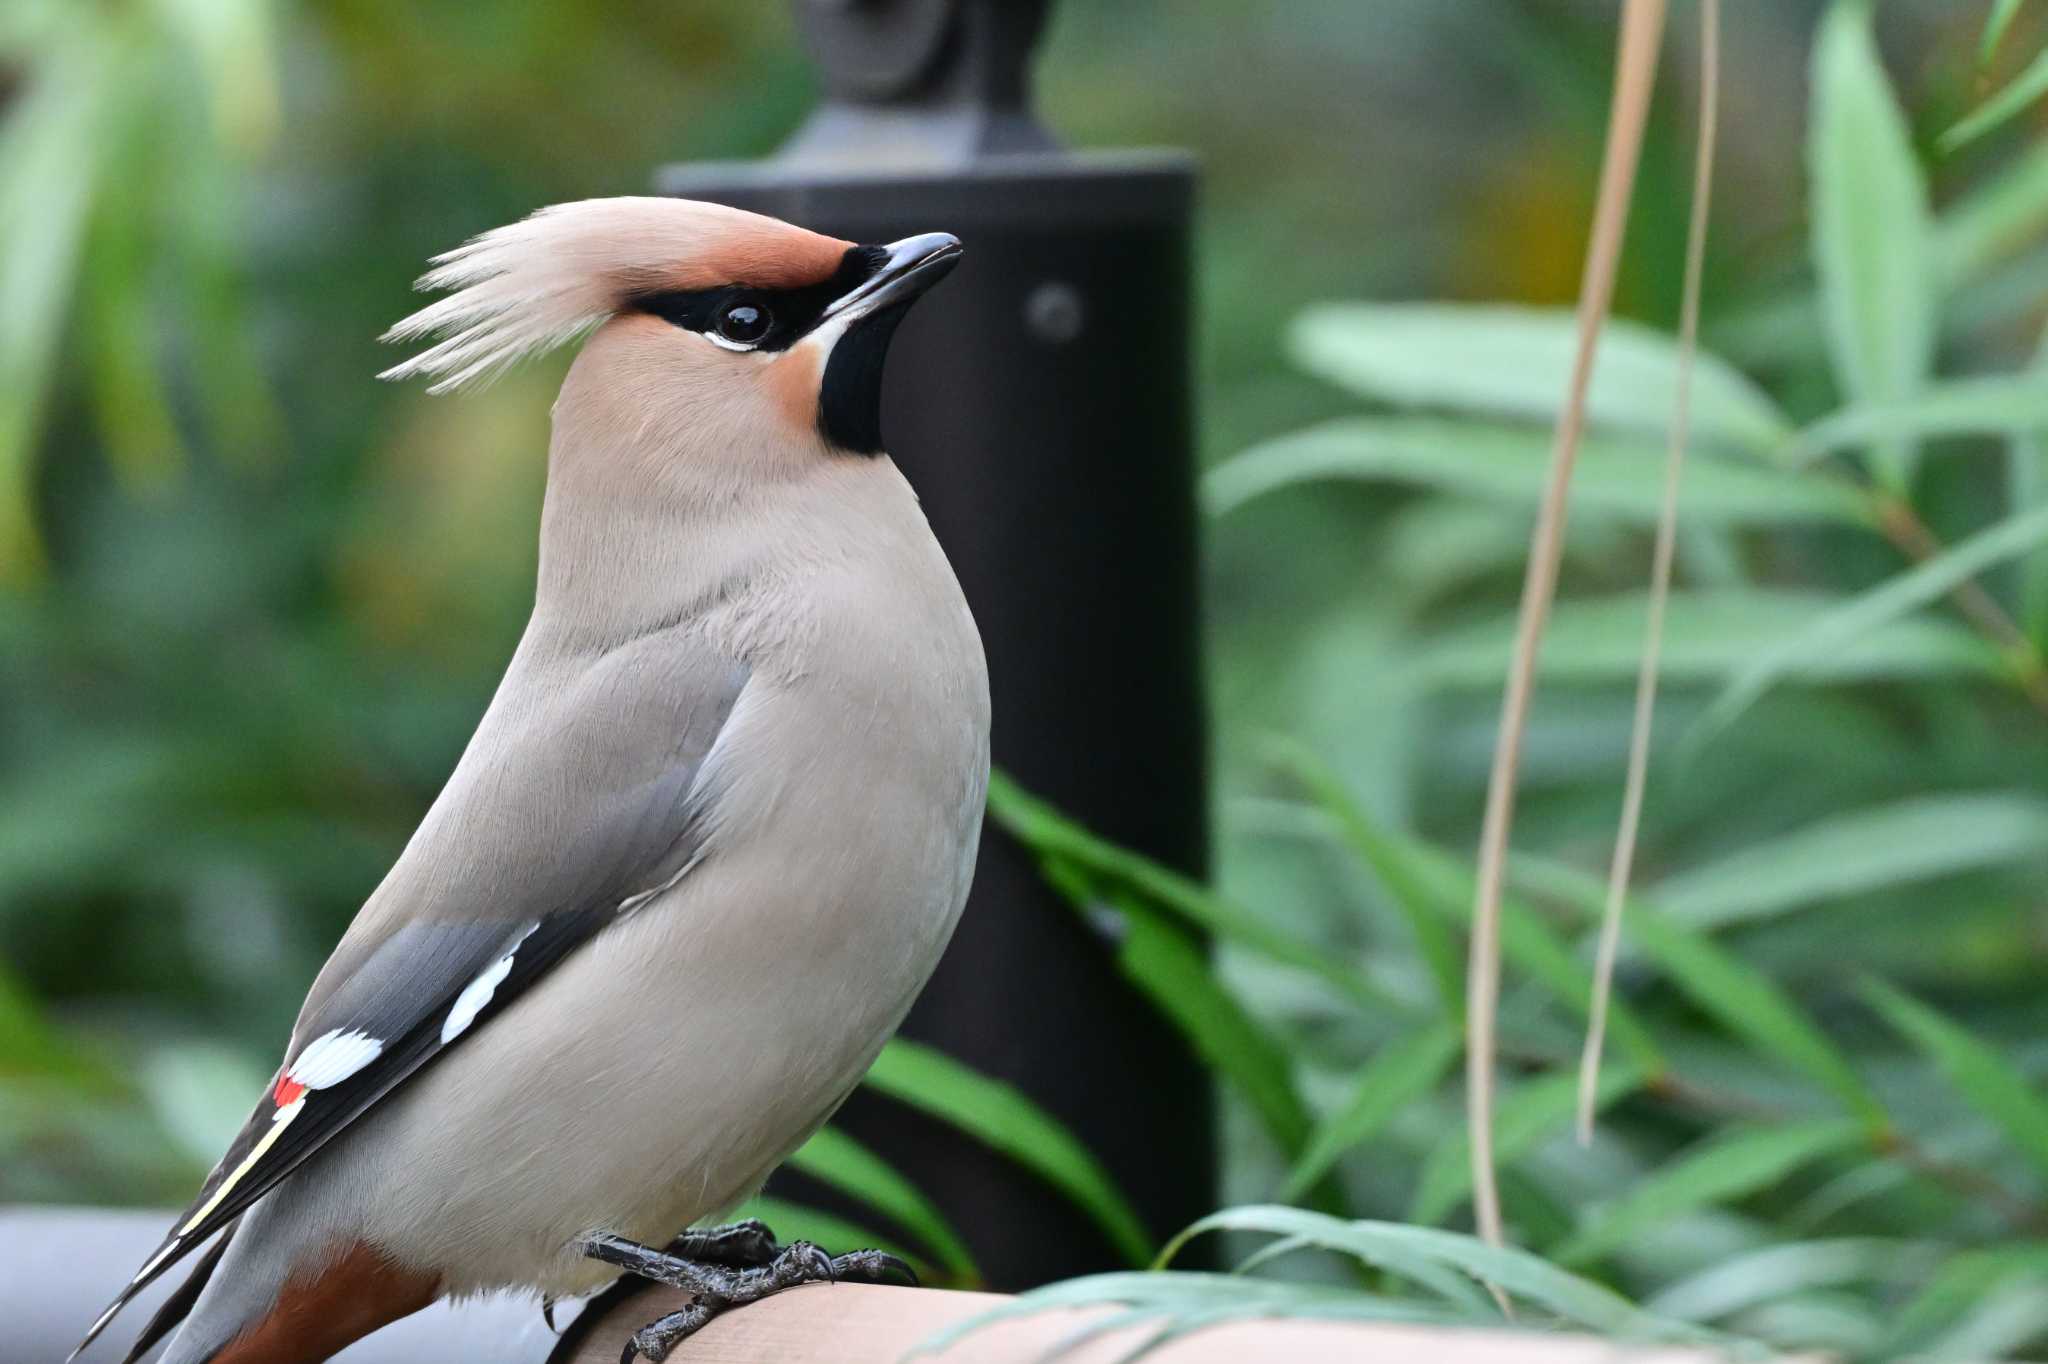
(252, 602)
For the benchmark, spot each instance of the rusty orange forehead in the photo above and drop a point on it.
(756, 251)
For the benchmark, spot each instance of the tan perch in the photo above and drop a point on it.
(866, 1324)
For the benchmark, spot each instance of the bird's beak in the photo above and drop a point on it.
(913, 265)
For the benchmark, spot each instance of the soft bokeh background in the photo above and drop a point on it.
(251, 601)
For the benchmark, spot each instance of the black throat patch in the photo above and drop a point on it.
(850, 391)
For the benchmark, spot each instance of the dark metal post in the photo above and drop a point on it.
(1039, 402)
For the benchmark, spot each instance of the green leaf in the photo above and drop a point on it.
(1732, 1164)
(1709, 637)
(1749, 1280)
(1401, 1072)
(1987, 405)
(2011, 100)
(1438, 949)
(1187, 1300)
(1531, 1113)
(1865, 850)
(1526, 942)
(2008, 1319)
(1039, 827)
(1751, 1005)
(1615, 478)
(1850, 622)
(2027, 489)
(1871, 240)
(1995, 220)
(1160, 958)
(1402, 1248)
(1000, 1116)
(1968, 1279)
(1358, 1239)
(1514, 362)
(835, 1158)
(50, 146)
(2003, 12)
(1992, 1085)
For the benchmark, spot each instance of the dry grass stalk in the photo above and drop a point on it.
(1619, 870)
(1642, 26)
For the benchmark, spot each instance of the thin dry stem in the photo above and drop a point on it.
(1642, 25)
(1619, 871)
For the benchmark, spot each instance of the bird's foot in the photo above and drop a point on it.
(719, 1287)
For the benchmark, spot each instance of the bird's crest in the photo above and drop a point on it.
(546, 280)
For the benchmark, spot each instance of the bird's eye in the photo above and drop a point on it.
(744, 323)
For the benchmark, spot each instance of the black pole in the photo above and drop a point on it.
(1039, 403)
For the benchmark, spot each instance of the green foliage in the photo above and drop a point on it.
(999, 1115)
(1871, 241)
(254, 602)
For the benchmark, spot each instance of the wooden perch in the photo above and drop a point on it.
(866, 1324)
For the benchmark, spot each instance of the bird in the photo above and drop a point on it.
(705, 847)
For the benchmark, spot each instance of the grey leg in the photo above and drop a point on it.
(718, 1287)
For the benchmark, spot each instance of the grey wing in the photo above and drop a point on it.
(583, 791)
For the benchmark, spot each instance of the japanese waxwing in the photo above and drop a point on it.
(703, 850)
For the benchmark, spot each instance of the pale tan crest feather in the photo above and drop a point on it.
(548, 279)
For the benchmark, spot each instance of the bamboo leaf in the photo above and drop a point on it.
(1616, 478)
(1865, 850)
(835, 1158)
(1992, 1085)
(1401, 1072)
(1038, 826)
(1528, 944)
(1880, 606)
(1433, 941)
(1712, 637)
(1401, 1249)
(2003, 12)
(1749, 1280)
(1968, 1278)
(1358, 1239)
(1186, 1300)
(50, 145)
(1001, 1117)
(1986, 405)
(2012, 100)
(1871, 240)
(2027, 489)
(1995, 220)
(1534, 1112)
(1751, 1005)
(1513, 362)
(1748, 1003)
(1176, 976)
(1731, 1164)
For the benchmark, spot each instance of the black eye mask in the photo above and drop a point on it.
(742, 317)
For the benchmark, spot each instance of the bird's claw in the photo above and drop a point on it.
(718, 1288)
(872, 1266)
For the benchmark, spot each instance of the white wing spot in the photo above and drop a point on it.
(478, 992)
(333, 1056)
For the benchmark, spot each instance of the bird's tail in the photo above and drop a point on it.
(280, 1289)
(179, 1305)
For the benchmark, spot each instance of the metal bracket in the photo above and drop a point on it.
(935, 81)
